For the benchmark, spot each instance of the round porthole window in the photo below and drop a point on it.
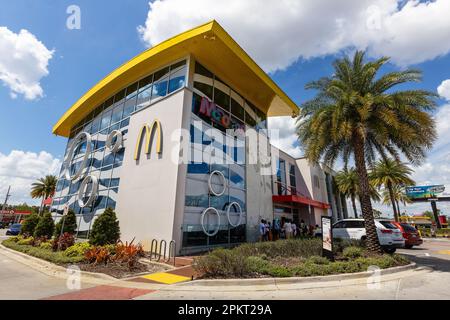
(114, 143)
(223, 181)
(88, 191)
(206, 228)
(238, 208)
(75, 144)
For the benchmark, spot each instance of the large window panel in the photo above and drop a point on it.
(177, 76)
(160, 84)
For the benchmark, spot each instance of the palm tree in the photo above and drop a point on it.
(358, 115)
(347, 182)
(391, 174)
(44, 188)
(399, 195)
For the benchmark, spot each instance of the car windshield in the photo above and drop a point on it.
(408, 228)
(388, 225)
(16, 226)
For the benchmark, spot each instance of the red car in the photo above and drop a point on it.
(411, 234)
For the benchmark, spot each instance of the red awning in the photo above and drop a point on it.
(48, 201)
(302, 200)
(17, 212)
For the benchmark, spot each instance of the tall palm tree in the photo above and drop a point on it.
(399, 196)
(44, 188)
(391, 174)
(347, 182)
(358, 114)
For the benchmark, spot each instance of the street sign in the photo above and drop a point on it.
(327, 238)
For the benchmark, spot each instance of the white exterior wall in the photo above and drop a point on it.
(259, 192)
(147, 196)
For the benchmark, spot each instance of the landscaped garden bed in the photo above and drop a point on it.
(290, 258)
(104, 253)
(84, 255)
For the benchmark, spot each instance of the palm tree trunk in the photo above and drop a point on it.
(398, 208)
(391, 196)
(354, 206)
(373, 243)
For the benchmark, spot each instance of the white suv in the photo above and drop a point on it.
(389, 236)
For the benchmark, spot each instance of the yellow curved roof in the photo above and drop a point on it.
(212, 46)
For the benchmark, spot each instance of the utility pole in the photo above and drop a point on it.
(6, 199)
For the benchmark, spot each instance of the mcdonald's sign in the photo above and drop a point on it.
(147, 132)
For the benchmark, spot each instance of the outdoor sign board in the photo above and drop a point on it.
(327, 238)
(423, 193)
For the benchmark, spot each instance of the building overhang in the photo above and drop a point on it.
(300, 200)
(210, 44)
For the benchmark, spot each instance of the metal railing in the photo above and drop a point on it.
(159, 252)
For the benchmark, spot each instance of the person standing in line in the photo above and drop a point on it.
(294, 229)
(262, 230)
(288, 229)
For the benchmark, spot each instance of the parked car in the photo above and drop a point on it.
(14, 229)
(410, 234)
(390, 236)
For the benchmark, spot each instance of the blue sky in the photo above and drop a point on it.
(295, 49)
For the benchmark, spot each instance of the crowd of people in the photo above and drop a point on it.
(286, 229)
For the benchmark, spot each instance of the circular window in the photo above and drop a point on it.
(238, 208)
(74, 146)
(224, 183)
(88, 191)
(114, 143)
(206, 228)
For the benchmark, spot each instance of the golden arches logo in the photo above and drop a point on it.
(147, 131)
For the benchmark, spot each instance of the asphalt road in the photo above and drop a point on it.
(18, 281)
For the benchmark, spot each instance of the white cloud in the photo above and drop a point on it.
(286, 138)
(444, 89)
(278, 32)
(20, 169)
(23, 63)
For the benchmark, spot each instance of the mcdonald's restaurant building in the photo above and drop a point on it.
(125, 139)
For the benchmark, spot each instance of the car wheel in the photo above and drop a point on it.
(408, 246)
(390, 250)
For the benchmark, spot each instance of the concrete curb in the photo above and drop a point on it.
(293, 280)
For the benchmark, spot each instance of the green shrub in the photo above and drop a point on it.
(105, 229)
(282, 248)
(70, 224)
(45, 254)
(46, 245)
(29, 225)
(279, 272)
(353, 252)
(45, 226)
(78, 249)
(26, 241)
(317, 260)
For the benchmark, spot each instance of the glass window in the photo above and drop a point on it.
(237, 105)
(221, 94)
(177, 76)
(108, 103)
(131, 90)
(199, 69)
(143, 98)
(143, 84)
(129, 107)
(119, 97)
(160, 84)
(117, 113)
(204, 88)
(106, 120)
